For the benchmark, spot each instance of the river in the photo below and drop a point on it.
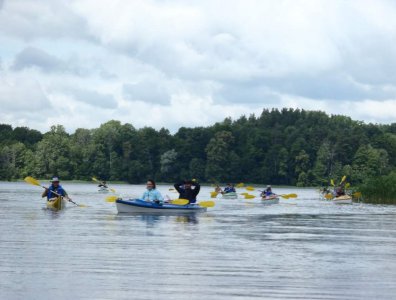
(302, 248)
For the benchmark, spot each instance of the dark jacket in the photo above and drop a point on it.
(189, 194)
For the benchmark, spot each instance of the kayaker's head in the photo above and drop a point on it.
(150, 184)
(188, 184)
(55, 181)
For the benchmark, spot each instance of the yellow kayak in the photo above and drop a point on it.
(56, 203)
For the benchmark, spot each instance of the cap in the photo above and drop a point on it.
(55, 179)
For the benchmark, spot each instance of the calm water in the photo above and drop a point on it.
(299, 249)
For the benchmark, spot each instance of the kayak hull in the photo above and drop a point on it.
(346, 199)
(103, 190)
(230, 196)
(57, 204)
(141, 206)
(270, 200)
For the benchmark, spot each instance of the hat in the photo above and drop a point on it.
(55, 179)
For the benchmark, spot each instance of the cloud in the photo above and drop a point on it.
(22, 94)
(93, 98)
(194, 63)
(33, 57)
(30, 20)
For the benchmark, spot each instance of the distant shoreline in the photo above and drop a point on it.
(47, 181)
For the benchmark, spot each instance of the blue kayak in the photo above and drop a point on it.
(141, 206)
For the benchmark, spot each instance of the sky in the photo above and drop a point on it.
(170, 63)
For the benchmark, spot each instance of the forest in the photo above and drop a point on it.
(279, 147)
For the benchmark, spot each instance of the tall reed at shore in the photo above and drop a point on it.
(380, 190)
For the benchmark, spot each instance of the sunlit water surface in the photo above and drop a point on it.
(301, 248)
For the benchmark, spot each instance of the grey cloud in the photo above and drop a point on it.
(93, 98)
(34, 57)
(56, 20)
(147, 91)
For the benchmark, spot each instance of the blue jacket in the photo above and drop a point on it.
(59, 190)
(152, 195)
(229, 189)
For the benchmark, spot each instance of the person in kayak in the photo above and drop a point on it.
(152, 194)
(267, 192)
(186, 191)
(103, 184)
(229, 189)
(54, 189)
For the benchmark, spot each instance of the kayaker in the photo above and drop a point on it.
(103, 184)
(339, 191)
(186, 191)
(229, 189)
(55, 187)
(267, 192)
(152, 194)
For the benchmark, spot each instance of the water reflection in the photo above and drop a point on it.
(240, 249)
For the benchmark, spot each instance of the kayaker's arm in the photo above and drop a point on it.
(45, 193)
(177, 186)
(197, 187)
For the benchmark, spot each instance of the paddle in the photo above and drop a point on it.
(357, 194)
(111, 198)
(329, 196)
(206, 203)
(250, 188)
(332, 182)
(239, 185)
(34, 181)
(213, 194)
(98, 181)
(247, 196)
(343, 179)
(287, 196)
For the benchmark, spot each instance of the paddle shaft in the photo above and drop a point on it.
(67, 197)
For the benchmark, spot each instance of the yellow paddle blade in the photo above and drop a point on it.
(329, 196)
(213, 194)
(332, 182)
(357, 194)
(239, 185)
(343, 179)
(250, 188)
(33, 181)
(249, 196)
(347, 185)
(94, 179)
(111, 198)
(180, 201)
(291, 195)
(206, 203)
(285, 196)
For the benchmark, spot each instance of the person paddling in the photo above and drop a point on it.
(229, 189)
(103, 184)
(186, 191)
(152, 194)
(54, 190)
(267, 192)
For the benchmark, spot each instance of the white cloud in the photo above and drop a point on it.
(176, 63)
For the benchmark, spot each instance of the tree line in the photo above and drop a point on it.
(283, 147)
